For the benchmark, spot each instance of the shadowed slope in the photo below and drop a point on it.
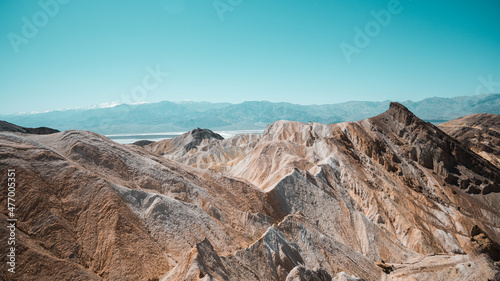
(478, 132)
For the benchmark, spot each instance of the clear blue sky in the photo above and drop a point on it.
(92, 52)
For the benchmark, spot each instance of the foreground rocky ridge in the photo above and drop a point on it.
(94, 209)
(300, 202)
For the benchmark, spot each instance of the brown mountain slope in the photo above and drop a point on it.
(405, 176)
(93, 209)
(300, 201)
(478, 132)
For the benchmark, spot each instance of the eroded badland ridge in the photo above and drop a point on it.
(387, 198)
(478, 132)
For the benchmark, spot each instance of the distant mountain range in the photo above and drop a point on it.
(184, 116)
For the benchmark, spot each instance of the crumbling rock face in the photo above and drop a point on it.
(479, 133)
(300, 273)
(299, 202)
(435, 150)
(385, 267)
(284, 251)
(481, 243)
(202, 262)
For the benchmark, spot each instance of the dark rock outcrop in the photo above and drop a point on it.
(198, 135)
(300, 273)
(482, 243)
(184, 143)
(9, 127)
(385, 267)
(143, 143)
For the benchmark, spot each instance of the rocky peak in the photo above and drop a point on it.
(198, 135)
(430, 147)
(204, 134)
(401, 113)
(184, 143)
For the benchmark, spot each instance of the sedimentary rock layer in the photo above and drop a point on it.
(387, 198)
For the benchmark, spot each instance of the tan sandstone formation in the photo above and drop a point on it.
(345, 201)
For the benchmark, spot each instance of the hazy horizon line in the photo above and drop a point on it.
(114, 103)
